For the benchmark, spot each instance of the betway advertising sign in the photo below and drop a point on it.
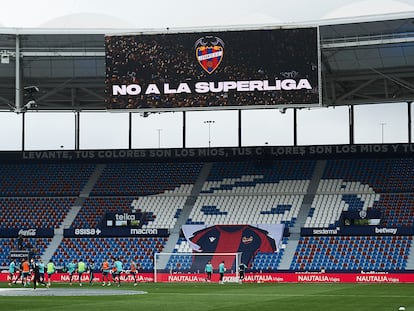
(356, 230)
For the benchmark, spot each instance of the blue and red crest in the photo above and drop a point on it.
(209, 53)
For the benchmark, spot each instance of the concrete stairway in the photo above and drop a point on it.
(303, 214)
(71, 215)
(191, 199)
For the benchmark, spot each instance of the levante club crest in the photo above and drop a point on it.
(209, 52)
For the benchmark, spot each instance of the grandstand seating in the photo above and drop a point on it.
(94, 208)
(34, 212)
(252, 192)
(228, 209)
(368, 253)
(272, 192)
(268, 261)
(141, 250)
(353, 184)
(123, 179)
(397, 209)
(163, 210)
(250, 173)
(327, 208)
(43, 179)
(382, 175)
(9, 244)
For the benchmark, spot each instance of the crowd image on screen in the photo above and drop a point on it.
(248, 55)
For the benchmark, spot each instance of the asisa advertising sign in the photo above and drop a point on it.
(213, 70)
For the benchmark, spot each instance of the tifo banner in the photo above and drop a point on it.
(219, 69)
(247, 239)
(282, 277)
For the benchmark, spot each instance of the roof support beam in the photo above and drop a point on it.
(351, 42)
(353, 91)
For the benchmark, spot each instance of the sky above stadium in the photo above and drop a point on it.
(185, 13)
(376, 123)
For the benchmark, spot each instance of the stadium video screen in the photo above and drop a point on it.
(224, 69)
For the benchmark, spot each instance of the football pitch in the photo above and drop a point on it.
(209, 296)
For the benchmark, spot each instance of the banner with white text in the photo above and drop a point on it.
(214, 70)
(282, 277)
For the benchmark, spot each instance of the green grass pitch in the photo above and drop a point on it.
(209, 296)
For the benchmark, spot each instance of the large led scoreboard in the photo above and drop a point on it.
(234, 69)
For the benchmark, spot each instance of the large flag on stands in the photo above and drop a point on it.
(247, 239)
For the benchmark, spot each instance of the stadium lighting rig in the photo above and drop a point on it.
(209, 123)
(29, 92)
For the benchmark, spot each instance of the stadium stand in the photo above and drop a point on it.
(249, 192)
(38, 179)
(368, 253)
(272, 192)
(268, 261)
(37, 245)
(355, 185)
(94, 208)
(397, 209)
(233, 192)
(162, 211)
(138, 179)
(382, 175)
(37, 196)
(34, 212)
(140, 250)
(158, 190)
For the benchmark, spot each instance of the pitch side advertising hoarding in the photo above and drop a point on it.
(271, 277)
(218, 69)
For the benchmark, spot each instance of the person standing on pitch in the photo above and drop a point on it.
(12, 270)
(105, 272)
(50, 270)
(26, 272)
(242, 270)
(91, 268)
(81, 269)
(117, 270)
(222, 269)
(133, 271)
(41, 270)
(71, 270)
(19, 271)
(208, 270)
(36, 278)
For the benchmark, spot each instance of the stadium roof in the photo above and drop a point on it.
(363, 62)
